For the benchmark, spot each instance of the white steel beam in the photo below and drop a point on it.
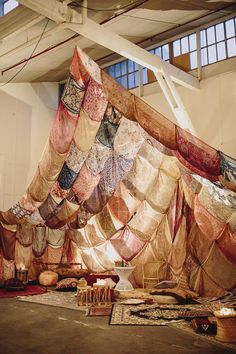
(60, 12)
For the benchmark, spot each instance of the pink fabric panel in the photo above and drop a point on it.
(58, 192)
(85, 183)
(95, 102)
(7, 242)
(194, 169)
(227, 244)
(127, 244)
(197, 153)
(175, 212)
(53, 255)
(78, 68)
(63, 129)
(211, 227)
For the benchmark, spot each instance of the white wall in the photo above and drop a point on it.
(212, 109)
(26, 116)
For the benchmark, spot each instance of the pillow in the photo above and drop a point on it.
(166, 284)
(48, 278)
(67, 284)
(183, 296)
(71, 272)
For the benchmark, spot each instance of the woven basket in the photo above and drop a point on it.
(226, 327)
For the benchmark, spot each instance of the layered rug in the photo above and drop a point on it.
(155, 315)
(54, 298)
(28, 290)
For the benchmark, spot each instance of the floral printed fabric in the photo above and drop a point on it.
(222, 195)
(95, 102)
(128, 139)
(66, 177)
(115, 169)
(19, 212)
(197, 153)
(63, 129)
(58, 192)
(193, 169)
(218, 210)
(97, 157)
(73, 95)
(228, 167)
(85, 183)
(108, 128)
(75, 158)
(26, 202)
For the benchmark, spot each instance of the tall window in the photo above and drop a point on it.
(7, 5)
(218, 42)
(125, 72)
(184, 45)
(163, 53)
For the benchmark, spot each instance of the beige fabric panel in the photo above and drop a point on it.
(51, 162)
(178, 251)
(220, 211)
(145, 221)
(23, 255)
(140, 177)
(161, 191)
(85, 132)
(39, 188)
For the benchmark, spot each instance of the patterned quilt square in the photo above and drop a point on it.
(73, 95)
(95, 102)
(66, 177)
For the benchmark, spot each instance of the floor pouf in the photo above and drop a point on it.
(48, 278)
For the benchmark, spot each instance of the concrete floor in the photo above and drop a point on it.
(27, 328)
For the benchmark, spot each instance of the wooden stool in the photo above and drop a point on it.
(98, 295)
(84, 296)
(226, 327)
(101, 295)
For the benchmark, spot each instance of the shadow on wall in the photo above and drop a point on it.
(15, 148)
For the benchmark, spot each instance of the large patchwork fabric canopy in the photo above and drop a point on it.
(117, 180)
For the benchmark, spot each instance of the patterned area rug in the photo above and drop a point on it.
(28, 290)
(54, 298)
(155, 315)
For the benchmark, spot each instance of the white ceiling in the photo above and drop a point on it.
(20, 30)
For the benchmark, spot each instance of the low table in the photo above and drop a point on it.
(123, 283)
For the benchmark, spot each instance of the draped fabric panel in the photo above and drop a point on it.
(118, 180)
